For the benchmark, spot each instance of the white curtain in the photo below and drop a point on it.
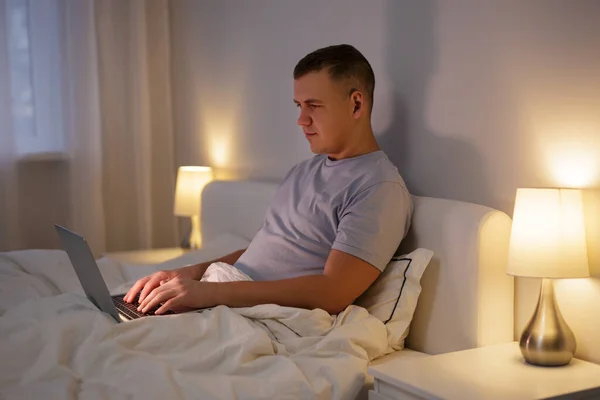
(116, 184)
(9, 226)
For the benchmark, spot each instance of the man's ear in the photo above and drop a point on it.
(357, 102)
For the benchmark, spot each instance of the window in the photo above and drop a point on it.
(35, 76)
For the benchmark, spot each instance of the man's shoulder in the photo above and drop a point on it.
(353, 175)
(379, 170)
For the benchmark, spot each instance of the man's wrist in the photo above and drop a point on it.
(205, 295)
(212, 292)
(198, 270)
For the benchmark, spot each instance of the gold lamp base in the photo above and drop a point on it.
(547, 340)
(194, 239)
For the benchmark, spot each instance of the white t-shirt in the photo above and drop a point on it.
(357, 205)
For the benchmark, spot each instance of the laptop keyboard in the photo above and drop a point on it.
(130, 309)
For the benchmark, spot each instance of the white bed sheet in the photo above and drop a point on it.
(56, 344)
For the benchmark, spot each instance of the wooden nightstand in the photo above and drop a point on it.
(151, 256)
(490, 373)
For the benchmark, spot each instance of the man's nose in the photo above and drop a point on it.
(303, 119)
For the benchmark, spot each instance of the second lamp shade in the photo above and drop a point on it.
(548, 235)
(188, 191)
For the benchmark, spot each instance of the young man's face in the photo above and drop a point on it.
(325, 112)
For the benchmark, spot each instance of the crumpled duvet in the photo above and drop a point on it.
(56, 345)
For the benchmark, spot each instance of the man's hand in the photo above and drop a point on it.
(151, 282)
(177, 294)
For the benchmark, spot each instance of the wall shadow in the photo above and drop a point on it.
(431, 163)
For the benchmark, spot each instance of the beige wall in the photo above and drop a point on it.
(473, 99)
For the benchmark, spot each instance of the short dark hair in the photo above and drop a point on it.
(343, 62)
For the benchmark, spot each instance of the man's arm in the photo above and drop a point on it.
(344, 279)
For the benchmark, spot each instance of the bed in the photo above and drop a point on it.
(55, 344)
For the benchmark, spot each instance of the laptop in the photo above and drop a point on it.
(92, 282)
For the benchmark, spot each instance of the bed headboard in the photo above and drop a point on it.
(237, 207)
(467, 298)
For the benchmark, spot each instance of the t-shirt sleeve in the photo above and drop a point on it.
(374, 223)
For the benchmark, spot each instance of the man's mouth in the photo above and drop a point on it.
(310, 133)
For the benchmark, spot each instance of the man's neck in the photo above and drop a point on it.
(365, 146)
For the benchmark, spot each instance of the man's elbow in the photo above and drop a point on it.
(333, 297)
(334, 306)
(334, 310)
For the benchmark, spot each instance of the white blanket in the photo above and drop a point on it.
(56, 345)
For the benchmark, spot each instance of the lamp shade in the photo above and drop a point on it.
(188, 190)
(548, 235)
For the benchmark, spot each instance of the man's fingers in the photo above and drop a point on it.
(149, 287)
(135, 289)
(150, 296)
(166, 306)
(157, 299)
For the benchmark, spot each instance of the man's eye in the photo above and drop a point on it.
(312, 106)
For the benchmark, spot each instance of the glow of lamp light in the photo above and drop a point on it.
(219, 152)
(573, 165)
(219, 132)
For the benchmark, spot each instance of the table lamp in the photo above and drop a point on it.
(548, 241)
(188, 196)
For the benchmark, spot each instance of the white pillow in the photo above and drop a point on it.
(392, 298)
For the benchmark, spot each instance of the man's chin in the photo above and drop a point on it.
(317, 150)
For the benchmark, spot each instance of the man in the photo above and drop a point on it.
(336, 219)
